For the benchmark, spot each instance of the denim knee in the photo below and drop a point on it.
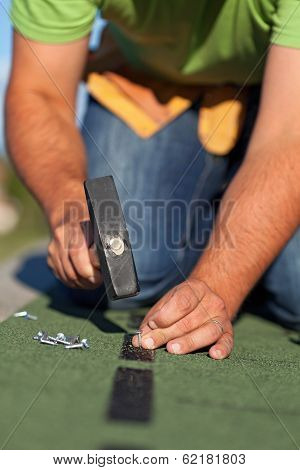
(281, 285)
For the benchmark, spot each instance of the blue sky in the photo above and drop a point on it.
(5, 54)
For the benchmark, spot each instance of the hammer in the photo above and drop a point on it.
(111, 238)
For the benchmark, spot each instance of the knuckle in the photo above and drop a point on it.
(191, 343)
(58, 232)
(186, 299)
(51, 249)
(160, 320)
(220, 304)
(183, 301)
(186, 324)
(161, 337)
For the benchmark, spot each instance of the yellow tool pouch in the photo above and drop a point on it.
(147, 104)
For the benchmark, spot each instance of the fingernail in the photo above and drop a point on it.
(217, 354)
(176, 348)
(152, 324)
(92, 279)
(149, 343)
(135, 341)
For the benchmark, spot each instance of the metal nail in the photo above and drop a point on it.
(75, 346)
(52, 338)
(46, 341)
(73, 339)
(85, 343)
(139, 333)
(60, 336)
(39, 335)
(31, 317)
(70, 342)
(61, 339)
(25, 315)
(20, 314)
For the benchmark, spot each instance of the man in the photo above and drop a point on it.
(196, 45)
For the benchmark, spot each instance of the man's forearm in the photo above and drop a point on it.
(46, 149)
(259, 212)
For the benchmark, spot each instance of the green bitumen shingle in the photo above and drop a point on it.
(249, 401)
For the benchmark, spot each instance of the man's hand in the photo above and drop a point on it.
(189, 317)
(71, 257)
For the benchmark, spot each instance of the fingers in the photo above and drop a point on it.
(159, 336)
(207, 334)
(94, 258)
(81, 261)
(144, 325)
(223, 346)
(210, 332)
(55, 264)
(190, 317)
(182, 300)
(62, 267)
(69, 258)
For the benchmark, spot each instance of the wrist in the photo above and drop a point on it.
(68, 206)
(220, 283)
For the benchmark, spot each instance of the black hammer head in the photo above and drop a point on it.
(111, 238)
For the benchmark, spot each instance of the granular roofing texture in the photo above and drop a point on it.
(103, 398)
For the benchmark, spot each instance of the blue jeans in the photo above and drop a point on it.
(170, 198)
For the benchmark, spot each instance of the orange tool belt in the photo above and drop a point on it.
(147, 104)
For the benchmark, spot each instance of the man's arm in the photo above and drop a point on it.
(265, 192)
(264, 198)
(46, 147)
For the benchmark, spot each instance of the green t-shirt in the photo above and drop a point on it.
(186, 41)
